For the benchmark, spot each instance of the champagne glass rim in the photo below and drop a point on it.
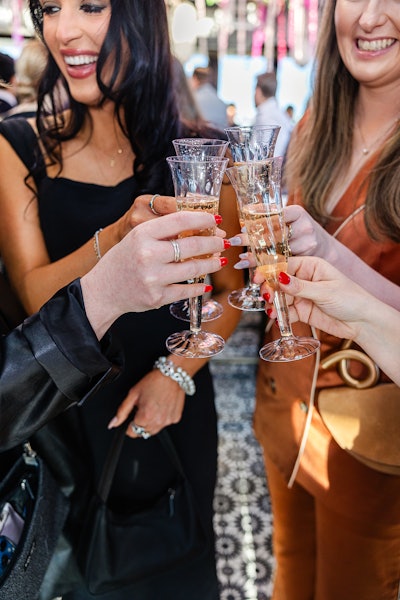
(200, 142)
(193, 160)
(253, 127)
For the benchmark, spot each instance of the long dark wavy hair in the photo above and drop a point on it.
(321, 148)
(138, 38)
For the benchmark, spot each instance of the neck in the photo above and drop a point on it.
(374, 119)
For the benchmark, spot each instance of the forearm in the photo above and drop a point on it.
(378, 333)
(358, 271)
(43, 371)
(42, 282)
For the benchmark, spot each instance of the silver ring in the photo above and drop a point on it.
(151, 205)
(138, 430)
(177, 250)
(290, 231)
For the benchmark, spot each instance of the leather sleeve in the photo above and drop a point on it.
(50, 362)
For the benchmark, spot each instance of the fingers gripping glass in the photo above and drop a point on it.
(197, 185)
(258, 189)
(198, 148)
(248, 144)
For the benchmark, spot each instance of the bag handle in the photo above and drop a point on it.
(341, 358)
(111, 462)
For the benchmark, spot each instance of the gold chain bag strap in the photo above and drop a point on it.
(363, 416)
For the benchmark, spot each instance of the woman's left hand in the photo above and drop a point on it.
(159, 401)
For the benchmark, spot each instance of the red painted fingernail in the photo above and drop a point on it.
(218, 219)
(208, 288)
(223, 260)
(266, 296)
(284, 278)
(227, 244)
(269, 311)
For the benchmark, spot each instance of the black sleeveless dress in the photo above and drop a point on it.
(70, 212)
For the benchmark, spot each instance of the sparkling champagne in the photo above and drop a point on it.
(266, 237)
(196, 202)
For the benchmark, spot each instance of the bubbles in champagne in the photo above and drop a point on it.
(266, 237)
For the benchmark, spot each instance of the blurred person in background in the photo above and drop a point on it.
(29, 68)
(268, 111)
(211, 107)
(8, 98)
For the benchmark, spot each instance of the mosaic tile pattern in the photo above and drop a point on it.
(243, 522)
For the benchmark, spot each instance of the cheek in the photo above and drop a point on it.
(343, 28)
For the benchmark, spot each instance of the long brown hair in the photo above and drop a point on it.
(321, 147)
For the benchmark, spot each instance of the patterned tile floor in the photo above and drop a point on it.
(243, 522)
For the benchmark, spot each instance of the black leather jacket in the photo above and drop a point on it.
(50, 362)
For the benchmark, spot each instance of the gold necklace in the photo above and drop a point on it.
(114, 158)
(365, 149)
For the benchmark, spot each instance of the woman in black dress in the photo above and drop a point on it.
(75, 176)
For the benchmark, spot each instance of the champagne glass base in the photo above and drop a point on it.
(289, 349)
(195, 345)
(246, 299)
(210, 310)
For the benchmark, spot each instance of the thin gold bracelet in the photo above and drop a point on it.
(96, 244)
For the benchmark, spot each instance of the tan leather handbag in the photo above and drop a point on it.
(363, 416)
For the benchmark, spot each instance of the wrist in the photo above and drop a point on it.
(177, 374)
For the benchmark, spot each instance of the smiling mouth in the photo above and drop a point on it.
(77, 61)
(375, 45)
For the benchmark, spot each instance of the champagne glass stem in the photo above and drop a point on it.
(282, 314)
(254, 287)
(195, 310)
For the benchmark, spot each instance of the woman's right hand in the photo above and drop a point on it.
(140, 273)
(140, 212)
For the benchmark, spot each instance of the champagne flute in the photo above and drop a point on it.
(198, 148)
(258, 188)
(197, 185)
(248, 144)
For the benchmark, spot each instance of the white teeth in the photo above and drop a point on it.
(80, 60)
(375, 45)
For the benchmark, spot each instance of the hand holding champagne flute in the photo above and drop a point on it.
(258, 189)
(197, 185)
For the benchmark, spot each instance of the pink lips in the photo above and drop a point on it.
(80, 63)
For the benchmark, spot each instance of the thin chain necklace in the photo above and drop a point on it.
(367, 149)
(114, 158)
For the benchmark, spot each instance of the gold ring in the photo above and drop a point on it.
(177, 250)
(151, 205)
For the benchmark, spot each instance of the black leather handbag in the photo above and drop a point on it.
(118, 550)
(33, 512)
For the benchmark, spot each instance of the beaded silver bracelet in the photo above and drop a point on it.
(183, 379)
(96, 244)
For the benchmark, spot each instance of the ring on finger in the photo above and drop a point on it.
(151, 205)
(140, 431)
(290, 231)
(287, 249)
(177, 250)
